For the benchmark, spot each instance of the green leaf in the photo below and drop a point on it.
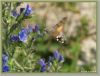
(75, 50)
(75, 47)
(65, 68)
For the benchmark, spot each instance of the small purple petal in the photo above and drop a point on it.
(14, 13)
(36, 28)
(28, 10)
(4, 59)
(14, 38)
(42, 62)
(43, 69)
(5, 68)
(23, 35)
(56, 55)
(61, 58)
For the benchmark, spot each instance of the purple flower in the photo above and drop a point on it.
(36, 28)
(4, 59)
(5, 68)
(61, 58)
(14, 38)
(42, 62)
(14, 13)
(43, 65)
(43, 68)
(23, 35)
(56, 55)
(28, 10)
